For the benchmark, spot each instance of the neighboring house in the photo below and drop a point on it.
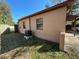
(47, 24)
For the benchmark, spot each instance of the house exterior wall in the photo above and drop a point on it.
(21, 29)
(53, 23)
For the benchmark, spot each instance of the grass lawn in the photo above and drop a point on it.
(14, 46)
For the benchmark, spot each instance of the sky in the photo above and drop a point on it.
(21, 8)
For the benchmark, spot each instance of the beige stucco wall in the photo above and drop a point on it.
(53, 24)
(21, 29)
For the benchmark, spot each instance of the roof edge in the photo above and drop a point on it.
(46, 10)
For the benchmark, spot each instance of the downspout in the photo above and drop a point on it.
(29, 23)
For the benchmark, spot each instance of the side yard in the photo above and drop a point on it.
(14, 46)
(4, 28)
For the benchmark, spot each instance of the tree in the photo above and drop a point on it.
(5, 14)
(56, 1)
(75, 8)
(75, 12)
(47, 6)
(49, 2)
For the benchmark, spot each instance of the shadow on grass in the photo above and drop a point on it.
(6, 31)
(15, 40)
(10, 42)
(49, 47)
(46, 45)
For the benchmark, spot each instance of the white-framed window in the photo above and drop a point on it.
(39, 24)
